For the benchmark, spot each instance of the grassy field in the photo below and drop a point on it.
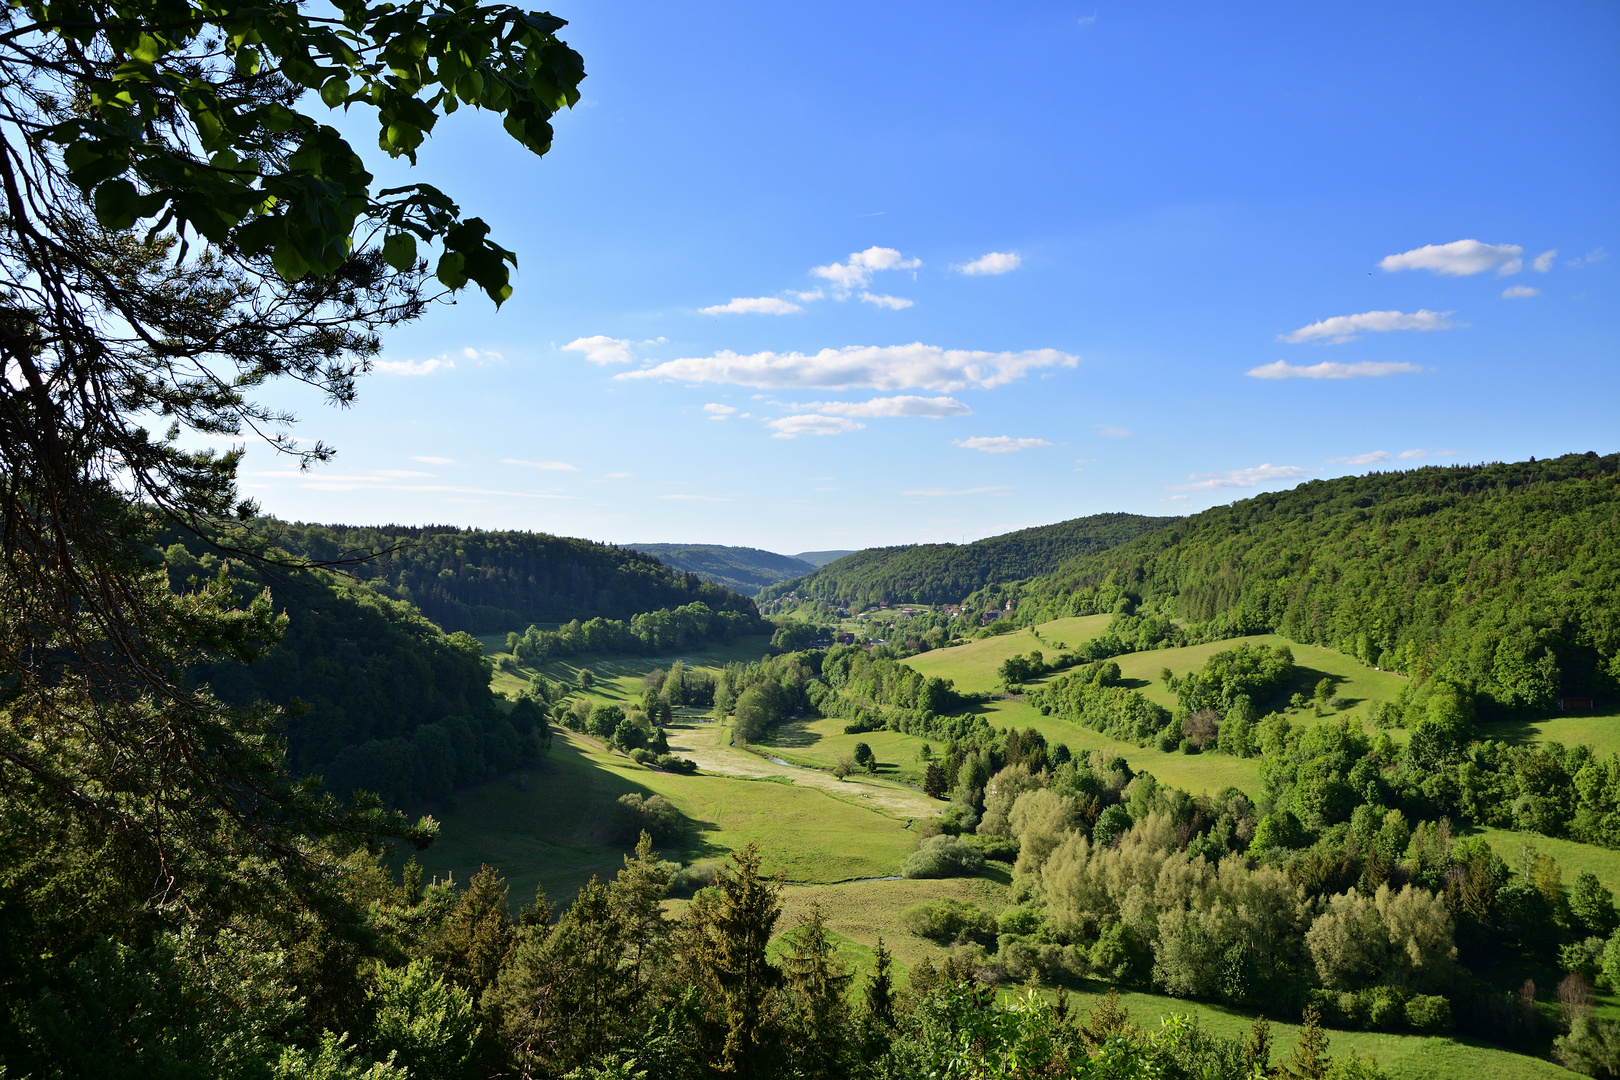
(973, 666)
(559, 831)
(818, 743)
(1573, 858)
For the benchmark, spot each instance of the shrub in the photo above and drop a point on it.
(1429, 1013)
(950, 920)
(643, 757)
(943, 856)
(1339, 704)
(1000, 848)
(656, 814)
(671, 763)
(864, 757)
(958, 818)
(689, 879)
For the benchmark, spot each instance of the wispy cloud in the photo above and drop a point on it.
(694, 498)
(995, 262)
(904, 405)
(1112, 431)
(893, 303)
(892, 367)
(1459, 258)
(415, 367)
(937, 493)
(619, 475)
(1342, 328)
(1544, 261)
(1596, 255)
(426, 460)
(857, 271)
(1088, 20)
(1362, 369)
(1519, 292)
(601, 349)
(1241, 478)
(791, 427)
(717, 411)
(999, 444)
(1419, 455)
(1372, 458)
(544, 466)
(753, 305)
(403, 474)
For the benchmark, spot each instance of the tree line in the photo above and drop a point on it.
(489, 581)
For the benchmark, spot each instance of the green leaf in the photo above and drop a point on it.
(289, 262)
(335, 91)
(116, 204)
(452, 270)
(399, 251)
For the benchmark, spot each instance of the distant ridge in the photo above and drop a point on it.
(947, 573)
(819, 559)
(745, 569)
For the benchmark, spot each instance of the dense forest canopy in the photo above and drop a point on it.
(494, 582)
(744, 569)
(945, 573)
(1503, 576)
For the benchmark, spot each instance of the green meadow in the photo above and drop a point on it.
(556, 824)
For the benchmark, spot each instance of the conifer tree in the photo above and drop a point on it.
(728, 929)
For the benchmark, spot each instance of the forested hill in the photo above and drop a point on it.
(493, 582)
(945, 573)
(1505, 577)
(745, 569)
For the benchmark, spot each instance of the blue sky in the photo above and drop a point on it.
(828, 276)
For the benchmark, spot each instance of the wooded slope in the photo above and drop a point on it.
(945, 573)
(493, 582)
(1506, 576)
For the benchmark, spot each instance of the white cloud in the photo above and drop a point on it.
(694, 498)
(1519, 292)
(1544, 261)
(996, 262)
(857, 272)
(904, 405)
(482, 357)
(424, 459)
(619, 475)
(810, 294)
(1343, 328)
(544, 466)
(601, 349)
(754, 305)
(1419, 455)
(402, 474)
(890, 367)
(893, 303)
(717, 411)
(1596, 255)
(935, 493)
(1110, 431)
(1361, 459)
(791, 427)
(1458, 258)
(1240, 478)
(415, 367)
(999, 444)
(1087, 20)
(1325, 370)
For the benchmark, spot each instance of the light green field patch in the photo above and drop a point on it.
(1401, 1057)
(1599, 730)
(1352, 679)
(973, 666)
(559, 832)
(818, 743)
(1573, 858)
